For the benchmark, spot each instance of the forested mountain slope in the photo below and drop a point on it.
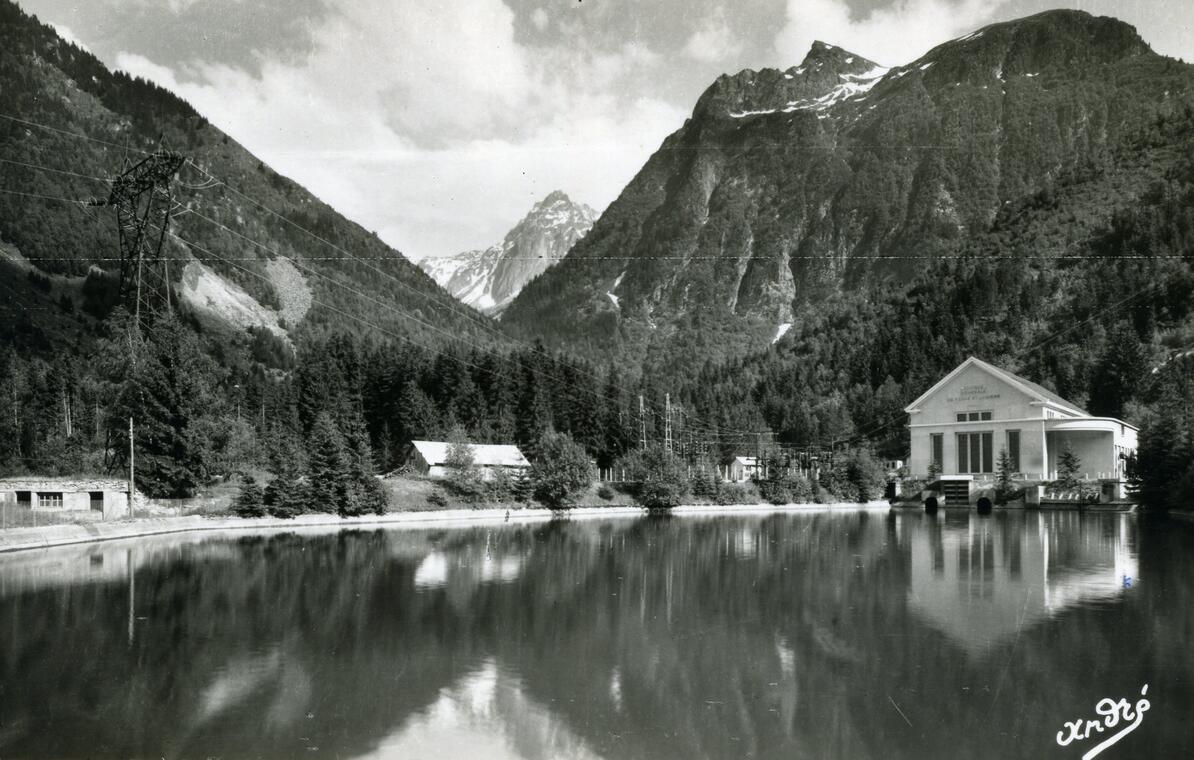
(252, 248)
(788, 189)
(1102, 313)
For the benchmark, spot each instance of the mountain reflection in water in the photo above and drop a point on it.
(831, 634)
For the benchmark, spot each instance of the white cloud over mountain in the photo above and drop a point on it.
(438, 123)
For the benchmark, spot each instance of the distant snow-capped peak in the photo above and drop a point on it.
(489, 279)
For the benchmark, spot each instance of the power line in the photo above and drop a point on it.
(38, 167)
(71, 134)
(714, 428)
(470, 315)
(183, 210)
(720, 431)
(331, 245)
(214, 180)
(341, 312)
(46, 198)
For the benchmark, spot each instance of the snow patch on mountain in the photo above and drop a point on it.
(617, 302)
(489, 279)
(849, 86)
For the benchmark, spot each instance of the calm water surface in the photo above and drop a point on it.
(820, 635)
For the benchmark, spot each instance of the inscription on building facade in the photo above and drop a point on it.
(972, 393)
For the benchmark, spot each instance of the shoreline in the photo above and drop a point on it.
(49, 536)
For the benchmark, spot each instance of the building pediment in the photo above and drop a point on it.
(976, 383)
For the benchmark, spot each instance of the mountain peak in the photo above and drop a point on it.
(826, 74)
(557, 208)
(1052, 40)
(822, 53)
(488, 280)
(555, 196)
(789, 187)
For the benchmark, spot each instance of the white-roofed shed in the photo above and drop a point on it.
(431, 458)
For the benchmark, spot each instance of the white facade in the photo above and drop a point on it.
(743, 469)
(978, 410)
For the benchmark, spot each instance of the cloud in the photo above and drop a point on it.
(713, 41)
(426, 122)
(67, 34)
(892, 35)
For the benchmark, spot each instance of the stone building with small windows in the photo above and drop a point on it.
(101, 498)
(978, 410)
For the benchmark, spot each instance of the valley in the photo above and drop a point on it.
(808, 251)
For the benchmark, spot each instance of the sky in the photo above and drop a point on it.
(439, 123)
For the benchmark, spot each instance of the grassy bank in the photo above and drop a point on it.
(406, 494)
(418, 494)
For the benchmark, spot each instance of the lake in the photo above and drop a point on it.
(809, 635)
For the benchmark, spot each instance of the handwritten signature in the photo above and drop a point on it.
(1111, 714)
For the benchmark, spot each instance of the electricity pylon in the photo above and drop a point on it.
(142, 198)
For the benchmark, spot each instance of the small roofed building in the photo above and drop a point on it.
(978, 410)
(430, 458)
(103, 498)
(893, 466)
(742, 469)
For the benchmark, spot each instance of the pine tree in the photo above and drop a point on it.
(420, 420)
(283, 497)
(533, 414)
(250, 502)
(365, 494)
(285, 454)
(1003, 476)
(1118, 372)
(704, 481)
(168, 394)
(328, 477)
(319, 384)
(1068, 467)
(615, 438)
(1163, 470)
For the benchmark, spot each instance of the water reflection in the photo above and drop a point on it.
(981, 581)
(815, 635)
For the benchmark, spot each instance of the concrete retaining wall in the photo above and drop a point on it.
(18, 539)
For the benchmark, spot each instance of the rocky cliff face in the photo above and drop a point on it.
(489, 279)
(786, 187)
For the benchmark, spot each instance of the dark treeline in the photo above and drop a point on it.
(1098, 319)
(204, 407)
(1086, 308)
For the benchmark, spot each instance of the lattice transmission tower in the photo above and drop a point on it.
(142, 198)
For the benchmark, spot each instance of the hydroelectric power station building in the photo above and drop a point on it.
(965, 420)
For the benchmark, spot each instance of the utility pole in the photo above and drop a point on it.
(642, 423)
(759, 455)
(132, 466)
(667, 421)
